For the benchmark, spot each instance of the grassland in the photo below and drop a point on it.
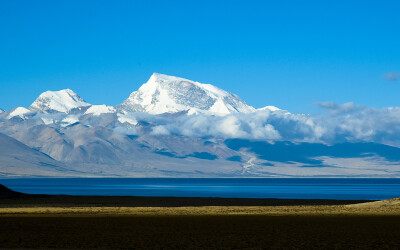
(382, 208)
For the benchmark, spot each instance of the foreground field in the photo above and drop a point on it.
(201, 232)
(374, 225)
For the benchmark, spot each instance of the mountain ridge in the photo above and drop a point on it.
(174, 127)
(160, 94)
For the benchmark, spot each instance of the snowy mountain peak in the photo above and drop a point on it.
(170, 94)
(18, 112)
(61, 101)
(97, 110)
(1, 111)
(270, 108)
(164, 78)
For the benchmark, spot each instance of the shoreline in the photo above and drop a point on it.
(146, 201)
(16, 203)
(10, 198)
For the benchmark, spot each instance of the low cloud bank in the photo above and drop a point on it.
(340, 123)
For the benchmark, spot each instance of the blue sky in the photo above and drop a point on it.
(289, 54)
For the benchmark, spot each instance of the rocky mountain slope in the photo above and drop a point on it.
(17, 159)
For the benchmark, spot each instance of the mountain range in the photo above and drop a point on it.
(174, 127)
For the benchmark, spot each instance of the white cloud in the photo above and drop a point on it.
(365, 124)
(231, 126)
(339, 108)
(341, 123)
(160, 130)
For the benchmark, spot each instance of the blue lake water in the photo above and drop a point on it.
(306, 188)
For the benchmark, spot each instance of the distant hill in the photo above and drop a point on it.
(17, 159)
(8, 193)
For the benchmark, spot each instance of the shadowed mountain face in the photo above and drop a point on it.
(17, 159)
(174, 127)
(307, 152)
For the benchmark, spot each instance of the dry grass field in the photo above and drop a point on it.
(386, 207)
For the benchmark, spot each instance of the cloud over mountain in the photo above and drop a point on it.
(168, 105)
(347, 122)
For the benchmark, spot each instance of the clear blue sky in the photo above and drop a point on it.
(290, 54)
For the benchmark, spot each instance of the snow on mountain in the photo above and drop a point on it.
(20, 112)
(61, 101)
(1, 111)
(97, 110)
(127, 118)
(69, 120)
(170, 94)
(270, 108)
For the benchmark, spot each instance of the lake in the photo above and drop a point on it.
(304, 188)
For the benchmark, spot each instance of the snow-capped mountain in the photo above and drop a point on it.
(18, 112)
(270, 108)
(170, 94)
(1, 111)
(155, 133)
(59, 101)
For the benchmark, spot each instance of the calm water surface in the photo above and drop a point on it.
(212, 187)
